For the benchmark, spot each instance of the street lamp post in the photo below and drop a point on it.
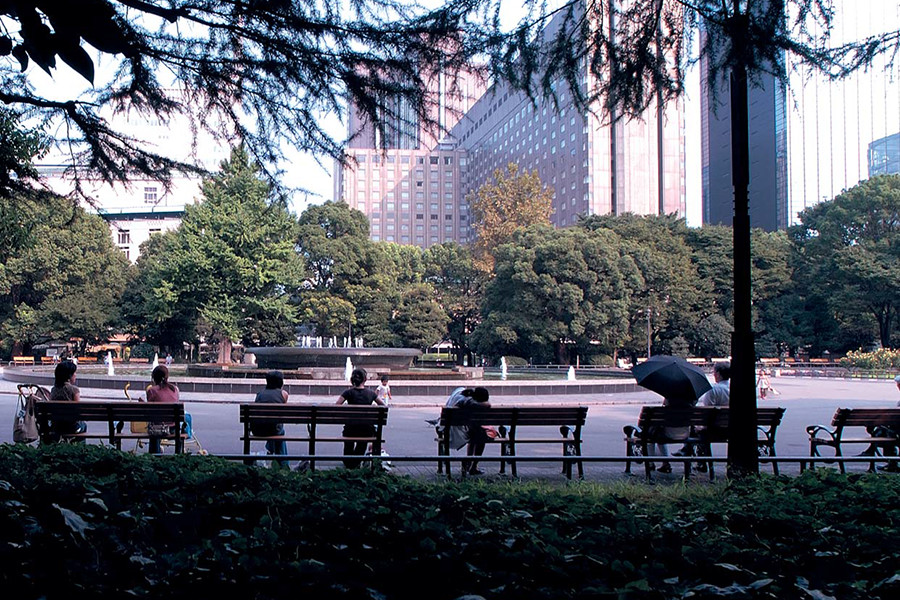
(648, 332)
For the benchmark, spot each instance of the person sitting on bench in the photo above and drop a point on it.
(474, 438)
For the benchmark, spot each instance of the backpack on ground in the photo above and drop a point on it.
(25, 429)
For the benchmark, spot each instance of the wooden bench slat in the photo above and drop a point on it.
(111, 413)
(514, 418)
(887, 420)
(312, 416)
(654, 421)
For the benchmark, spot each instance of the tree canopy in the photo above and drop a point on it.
(65, 280)
(851, 248)
(511, 201)
(229, 272)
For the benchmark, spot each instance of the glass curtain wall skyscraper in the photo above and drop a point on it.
(810, 139)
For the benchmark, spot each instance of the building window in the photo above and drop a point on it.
(124, 236)
(155, 231)
(448, 217)
(433, 160)
(434, 217)
(448, 160)
(150, 194)
(127, 252)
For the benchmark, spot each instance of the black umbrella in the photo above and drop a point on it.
(672, 377)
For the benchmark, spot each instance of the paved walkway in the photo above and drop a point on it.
(808, 401)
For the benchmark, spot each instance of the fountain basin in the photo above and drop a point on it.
(294, 358)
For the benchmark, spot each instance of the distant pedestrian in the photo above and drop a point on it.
(169, 360)
(383, 391)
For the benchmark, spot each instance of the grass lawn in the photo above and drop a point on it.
(84, 521)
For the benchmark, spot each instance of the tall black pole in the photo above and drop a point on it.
(742, 453)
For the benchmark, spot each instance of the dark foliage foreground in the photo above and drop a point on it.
(87, 521)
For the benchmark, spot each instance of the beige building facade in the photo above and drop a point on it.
(413, 185)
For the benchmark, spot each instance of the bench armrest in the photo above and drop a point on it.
(632, 431)
(815, 430)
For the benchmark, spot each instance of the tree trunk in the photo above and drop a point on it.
(225, 352)
(742, 452)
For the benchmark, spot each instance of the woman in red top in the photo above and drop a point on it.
(161, 391)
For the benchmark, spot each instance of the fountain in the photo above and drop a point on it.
(155, 362)
(570, 376)
(348, 369)
(503, 368)
(110, 369)
(316, 353)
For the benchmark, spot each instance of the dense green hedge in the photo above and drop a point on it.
(87, 521)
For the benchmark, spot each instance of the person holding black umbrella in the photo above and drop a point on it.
(680, 383)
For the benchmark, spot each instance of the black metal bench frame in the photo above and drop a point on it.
(886, 420)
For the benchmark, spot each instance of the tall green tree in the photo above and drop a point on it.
(511, 201)
(419, 321)
(65, 280)
(459, 288)
(555, 292)
(668, 299)
(851, 248)
(230, 272)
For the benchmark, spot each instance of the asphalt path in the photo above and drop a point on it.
(807, 400)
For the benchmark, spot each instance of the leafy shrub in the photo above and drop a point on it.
(142, 350)
(76, 518)
(882, 358)
(601, 360)
(515, 361)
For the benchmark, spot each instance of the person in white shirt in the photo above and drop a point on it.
(383, 391)
(720, 392)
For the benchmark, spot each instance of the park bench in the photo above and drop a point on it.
(313, 417)
(21, 361)
(700, 425)
(116, 415)
(508, 420)
(885, 420)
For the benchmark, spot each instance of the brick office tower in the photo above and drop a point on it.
(414, 192)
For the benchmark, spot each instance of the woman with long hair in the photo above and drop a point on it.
(161, 391)
(64, 390)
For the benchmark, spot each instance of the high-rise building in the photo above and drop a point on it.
(809, 140)
(595, 163)
(409, 183)
(884, 156)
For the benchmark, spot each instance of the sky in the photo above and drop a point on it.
(314, 174)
